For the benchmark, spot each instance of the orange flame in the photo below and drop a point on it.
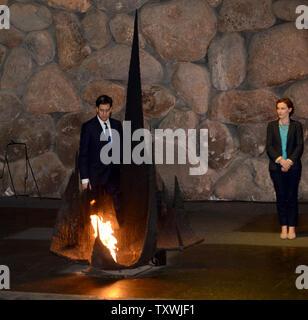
(105, 234)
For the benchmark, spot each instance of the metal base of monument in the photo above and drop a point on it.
(167, 227)
(142, 271)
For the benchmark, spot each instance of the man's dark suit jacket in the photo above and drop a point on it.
(90, 165)
(295, 144)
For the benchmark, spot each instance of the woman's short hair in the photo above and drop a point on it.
(288, 102)
(103, 99)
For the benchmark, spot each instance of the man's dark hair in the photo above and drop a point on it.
(103, 99)
(288, 102)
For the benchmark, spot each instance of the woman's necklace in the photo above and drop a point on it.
(283, 126)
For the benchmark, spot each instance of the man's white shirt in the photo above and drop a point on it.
(103, 126)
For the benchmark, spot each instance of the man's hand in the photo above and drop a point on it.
(284, 169)
(85, 186)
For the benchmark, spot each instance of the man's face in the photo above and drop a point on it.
(104, 111)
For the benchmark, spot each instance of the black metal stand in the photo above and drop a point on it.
(28, 165)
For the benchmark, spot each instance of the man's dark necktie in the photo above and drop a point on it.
(107, 133)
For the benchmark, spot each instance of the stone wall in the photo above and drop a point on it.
(215, 64)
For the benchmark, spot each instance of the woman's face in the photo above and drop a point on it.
(283, 111)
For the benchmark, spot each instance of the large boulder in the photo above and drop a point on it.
(270, 63)
(179, 119)
(246, 180)
(227, 61)
(11, 37)
(193, 187)
(171, 139)
(98, 87)
(68, 135)
(112, 63)
(41, 47)
(192, 83)
(157, 101)
(30, 17)
(96, 20)
(122, 29)
(50, 176)
(168, 26)
(262, 179)
(245, 15)
(298, 93)
(252, 137)
(241, 106)
(36, 131)
(10, 107)
(72, 47)
(49, 90)
(17, 68)
(222, 144)
(286, 9)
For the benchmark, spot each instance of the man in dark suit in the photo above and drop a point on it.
(95, 135)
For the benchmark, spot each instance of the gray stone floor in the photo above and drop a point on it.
(241, 257)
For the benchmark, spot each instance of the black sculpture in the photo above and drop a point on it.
(151, 225)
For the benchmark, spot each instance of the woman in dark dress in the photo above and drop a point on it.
(284, 146)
